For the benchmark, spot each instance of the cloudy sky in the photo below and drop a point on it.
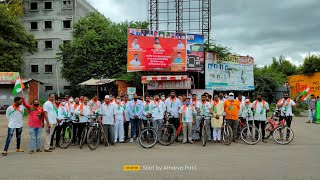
(261, 29)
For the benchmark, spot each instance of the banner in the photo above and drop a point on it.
(195, 53)
(298, 83)
(158, 85)
(8, 76)
(156, 51)
(231, 73)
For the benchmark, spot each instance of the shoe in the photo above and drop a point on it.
(263, 140)
(183, 142)
(191, 142)
(235, 141)
(308, 122)
(219, 141)
(47, 150)
(72, 144)
(131, 140)
(39, 150)
(137, 139)
(31, 152)
(4, 153)
(52, 148)
(123, 141)
(19, 150)
(112, 143)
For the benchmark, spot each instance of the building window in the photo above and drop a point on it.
(36, 44)
(66, 5)
(66, 24)
(48, 5)
(66, 87)
(49, 88)
(48, 68)
(34, 25)
(34, 69)
(33, 6)
(66, 41)
(48, 24)
(48, 44)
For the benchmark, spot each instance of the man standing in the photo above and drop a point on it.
(74, 117)
(63, 113)
(204, 108)
(126, 123)
(14, 115)
(173, 104)
(286, 105)
(120, 120)
(260, 108)
(312, 109)
(50, 115)
(231, 108)
(83, 110)
(95, 103)
(146, 110)
(195, 127)
(217, 119)
(157, 110)
(108, 118)
(187, 117)
(35, 123)
(135, 109)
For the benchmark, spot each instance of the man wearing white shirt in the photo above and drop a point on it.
(63, 112)
(120, 120)
(146, 110)
(157, 110)
(180, 44)
(83, 110)
(95, 103)
(108, 118)
(195, 103)
(260, 108)
(135, 44)
(187, 117)
(73, 107)
(135, 61)
(173, 104)
(50, 115)
(135, 109)
(125, 103)
(14, 115)
(204, 108)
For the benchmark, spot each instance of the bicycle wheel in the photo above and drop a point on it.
(103, 138)
(148, 138)
(66, 137)
(269, 130)
(167, 135)
(204, 136)
(83, 137)
(283, 135)
(227, 135)
(93, 138)
(250, 135)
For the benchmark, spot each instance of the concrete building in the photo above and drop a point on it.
(50, 21)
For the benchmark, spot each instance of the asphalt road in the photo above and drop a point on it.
(298, 160)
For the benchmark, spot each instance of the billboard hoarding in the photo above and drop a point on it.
(8, 76)
(298, 83)
(150, 50)
(195, 53)
(235, 73)
(180, 84)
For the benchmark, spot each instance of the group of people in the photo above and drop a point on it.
(313, 103)
(117, 113)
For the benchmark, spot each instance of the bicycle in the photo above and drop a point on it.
(226, 132)
(96, 135)
(66, 135)
(203, 124)
(249, 133)
(273, 127)
(148, 136)
(168, 132)
(84, 133)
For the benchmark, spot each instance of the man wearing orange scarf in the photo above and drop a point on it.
(187, 118)
(95, 103)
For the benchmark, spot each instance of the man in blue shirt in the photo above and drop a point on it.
(178, 59)
(135, 109)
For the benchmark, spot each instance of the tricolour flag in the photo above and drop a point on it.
(18, 86)
(306, 93)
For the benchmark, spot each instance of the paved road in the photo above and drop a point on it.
(298, 160)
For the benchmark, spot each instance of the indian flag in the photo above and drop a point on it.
(306, 93)
(18, 86)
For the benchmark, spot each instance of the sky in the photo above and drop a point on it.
(261, 29)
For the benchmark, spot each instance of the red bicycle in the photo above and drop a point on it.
(282, 134)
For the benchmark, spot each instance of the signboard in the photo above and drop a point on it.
(195, 53)
(181, 84)
(131, 90)
(231, 73)
(298, 83)
(199, 92)
(8, 76)
(150, 50)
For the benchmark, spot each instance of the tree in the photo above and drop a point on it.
(221, 51)
(14, 41)
(100, 47)
(311, 64)
(284, 66)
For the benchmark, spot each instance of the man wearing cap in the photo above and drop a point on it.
(231, 109)
(108, 118)
(135, 109)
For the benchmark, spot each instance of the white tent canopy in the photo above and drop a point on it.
(96, 82)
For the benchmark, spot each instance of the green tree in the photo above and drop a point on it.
(14, 41)
(311, 64)
(99, 46)
(221, 51)
(284, 66)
